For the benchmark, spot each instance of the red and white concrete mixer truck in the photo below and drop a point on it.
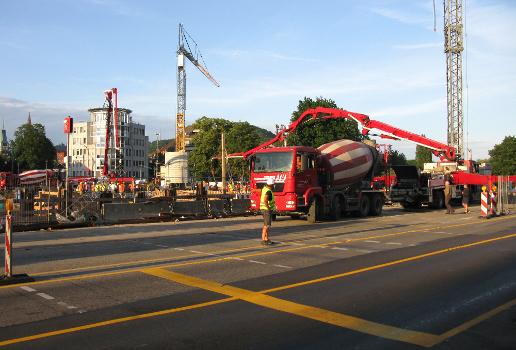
(328, 181)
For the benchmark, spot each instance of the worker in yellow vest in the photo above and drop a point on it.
(267, 206)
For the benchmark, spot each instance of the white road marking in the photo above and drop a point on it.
(161, 245)
(196, 252)
(28, 289)
(468, 218)
(71, 307)
(45, 296)
(372, 241)
(147, 243)
(181, 249)
(237, 259)
(340, 248)
(321, 246)
(283, 266)
(62, 303)
(393, 243)
(363, 251)
(257, 262)
(297, 243)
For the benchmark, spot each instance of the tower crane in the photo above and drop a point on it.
(188, 48)
(453, 47)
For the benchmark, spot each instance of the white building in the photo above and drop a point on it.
(87, 145)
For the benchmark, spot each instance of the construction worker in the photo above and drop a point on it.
(447, 197)
(465, 199)
(267, 206)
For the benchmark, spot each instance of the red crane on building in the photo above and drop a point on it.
(112, 113)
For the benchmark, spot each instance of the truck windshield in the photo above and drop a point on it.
(274, 161)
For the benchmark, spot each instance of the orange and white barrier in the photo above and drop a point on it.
(8, 272)
(483, 205)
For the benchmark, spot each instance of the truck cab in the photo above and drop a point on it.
(294, 170)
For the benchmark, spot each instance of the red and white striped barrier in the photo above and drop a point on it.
(8, 242)
(483, 205)
(492, 207)
(32, 177)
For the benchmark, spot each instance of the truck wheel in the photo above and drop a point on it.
(314, 211)
(336, 208)
(294, 216)
(376, 206)
(363, 209)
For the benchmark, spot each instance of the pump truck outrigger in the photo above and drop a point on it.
(331, 180)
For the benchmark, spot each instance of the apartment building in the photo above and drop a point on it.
(87, 145)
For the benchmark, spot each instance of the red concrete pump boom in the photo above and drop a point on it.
(445, 152)
(109, 105)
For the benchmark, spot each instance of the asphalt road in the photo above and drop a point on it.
(400, 281)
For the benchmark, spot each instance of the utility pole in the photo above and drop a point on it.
(223, 157)
(453, 47)
(157, 156)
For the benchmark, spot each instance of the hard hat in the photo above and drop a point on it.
(270, 181)
(484, 188)
(494, 188)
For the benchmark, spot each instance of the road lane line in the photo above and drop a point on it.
(45, 296)
(161, 245)
(111, 322)
(466, 325)
(390, 263)
(301, 310)
(28, 289)
(282, 266)
(196, 252)
(257, 262)
(340, 248)
(394, 243)
(219, 301)
(372, 241)
(260, 253)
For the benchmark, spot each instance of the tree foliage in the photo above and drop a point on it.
(395, 158)
(315, 133)
(423, 155)
(31, 149)
(239, 136)
(503, 157)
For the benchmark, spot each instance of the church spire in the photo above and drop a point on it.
(29, 120)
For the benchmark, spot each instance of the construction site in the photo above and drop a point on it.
(134, 241)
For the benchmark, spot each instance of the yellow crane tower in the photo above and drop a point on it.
(187, 47)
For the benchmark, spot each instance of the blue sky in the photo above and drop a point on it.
(381, 58)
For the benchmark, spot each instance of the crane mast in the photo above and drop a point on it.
(186, 48)
(453, 47)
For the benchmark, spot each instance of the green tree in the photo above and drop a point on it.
(423, 155)
(395, 158)
(240, 137)
(31, 149)
(503, 157)
(316, 132)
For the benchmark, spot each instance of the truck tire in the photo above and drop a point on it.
(438, 200)
(376, 205)
(336, 208)
(294, 216)
(363, 209)
(314, 211)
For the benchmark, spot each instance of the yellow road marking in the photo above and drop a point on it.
(466, 325)
(112, 322)
(306, 311)
(429, 341)
(206, 261)
(390, 263)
